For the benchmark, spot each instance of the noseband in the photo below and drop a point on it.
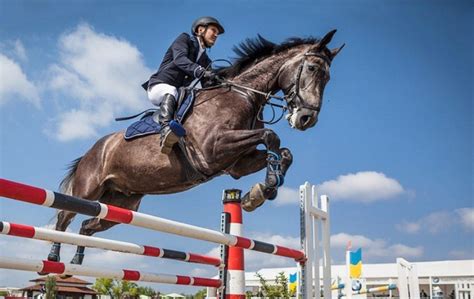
(294, 94)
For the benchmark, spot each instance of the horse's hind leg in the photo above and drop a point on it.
(93, 225)
(90, 190)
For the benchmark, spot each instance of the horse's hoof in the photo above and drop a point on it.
(271, 193)
(77, 259)
(65, 276)
(254, 198)
(42, 273)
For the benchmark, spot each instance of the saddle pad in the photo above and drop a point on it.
(147, 125)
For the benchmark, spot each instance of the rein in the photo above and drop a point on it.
(292, 97)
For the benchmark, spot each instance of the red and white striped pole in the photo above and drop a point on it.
(235, 282)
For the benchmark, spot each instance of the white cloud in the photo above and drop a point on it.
(20, 51)
(467, 218)
(287, 196)
(364, 186)
(14, 84)
(409, 227)
(439, 221)
(376, 248)
(100, 75)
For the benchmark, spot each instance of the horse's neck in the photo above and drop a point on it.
(263, 75)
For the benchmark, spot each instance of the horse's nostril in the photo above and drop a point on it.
(305, 119)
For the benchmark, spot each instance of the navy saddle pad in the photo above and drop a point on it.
(147, 125)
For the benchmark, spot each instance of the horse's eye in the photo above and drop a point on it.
(311, 68)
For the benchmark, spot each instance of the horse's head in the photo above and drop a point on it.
(303, 79)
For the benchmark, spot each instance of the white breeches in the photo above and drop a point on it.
(157, 92)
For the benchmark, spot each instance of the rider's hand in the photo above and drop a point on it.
(210, 75)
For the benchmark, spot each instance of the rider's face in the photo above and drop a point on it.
(209, 36)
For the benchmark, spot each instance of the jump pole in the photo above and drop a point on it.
(131, 275)
(39, 196)
(38, 233)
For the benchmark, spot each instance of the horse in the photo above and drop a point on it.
(223, 129)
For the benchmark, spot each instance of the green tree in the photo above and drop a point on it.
(104, 286)
(50, 287)
(201, 294)
(278, 290)
(120, 289)
(147, 291)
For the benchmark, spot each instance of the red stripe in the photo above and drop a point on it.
(235, 211)
(207, 282)
(21, 230)
(235, 296)
(186, 280)
(131, 275)
(243, 242)
(53, 267)
(202, 259)
(296, 254)
(236, 259)
(119, 215)
(22, 192)
(152, 251)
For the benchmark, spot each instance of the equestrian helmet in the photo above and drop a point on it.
(205, 21)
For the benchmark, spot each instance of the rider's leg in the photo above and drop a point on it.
(165, 115)
(164, 96)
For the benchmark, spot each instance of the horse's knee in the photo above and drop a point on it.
(93, 225)
(271, 140)
(64, 218)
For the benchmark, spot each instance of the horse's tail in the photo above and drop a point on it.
(66, 184)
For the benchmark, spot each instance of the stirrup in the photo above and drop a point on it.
(168, 141)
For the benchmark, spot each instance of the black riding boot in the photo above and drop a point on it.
(165, 115)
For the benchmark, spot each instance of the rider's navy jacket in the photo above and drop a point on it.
(179, 66)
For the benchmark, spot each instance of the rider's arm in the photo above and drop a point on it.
(180, 49)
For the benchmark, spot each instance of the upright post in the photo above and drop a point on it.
(315, 240)
(235, 281)
(408, 285)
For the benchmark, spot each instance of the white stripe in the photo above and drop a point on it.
(182, 229)
(103, 211)
(20, 264)
(252, 244)
(6, 227)
(235, 282)
(191, 281)
(236, 229)
(49, 200)
(187, 257)
(275, 249)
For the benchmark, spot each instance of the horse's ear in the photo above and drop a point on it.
(334, 52)
(326, 39)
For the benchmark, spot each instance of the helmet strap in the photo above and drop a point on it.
(201, 37)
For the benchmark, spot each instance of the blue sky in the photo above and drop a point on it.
(393, 147)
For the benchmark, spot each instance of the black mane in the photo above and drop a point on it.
(253, 49)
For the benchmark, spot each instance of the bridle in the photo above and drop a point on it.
(292, 97)
(294, 94)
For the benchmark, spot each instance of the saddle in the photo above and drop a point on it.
(148, 124)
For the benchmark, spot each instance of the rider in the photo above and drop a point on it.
(184, 61)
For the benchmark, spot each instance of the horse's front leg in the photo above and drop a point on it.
(275, 159)
(256, 161)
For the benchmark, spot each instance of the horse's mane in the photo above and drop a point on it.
(253, 49)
